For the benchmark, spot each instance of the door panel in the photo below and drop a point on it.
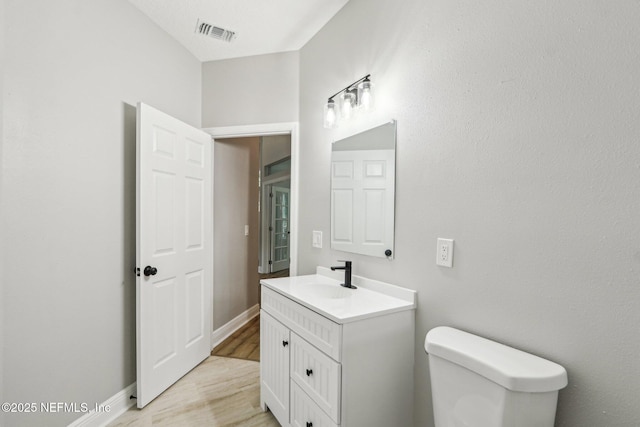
(162, 219)
(374, 211)
(195, 307)
(195, 213)
(342, 225)
(164, 348)
(174, 217)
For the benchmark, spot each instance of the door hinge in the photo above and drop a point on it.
(270, 194)
(137, 271)
(270, 262)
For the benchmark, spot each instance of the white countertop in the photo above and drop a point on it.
(322, 293)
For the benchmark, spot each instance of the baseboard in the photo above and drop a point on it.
(223, 332)
(117, 405)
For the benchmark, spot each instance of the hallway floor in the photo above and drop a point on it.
(219, 392)
(243, 343)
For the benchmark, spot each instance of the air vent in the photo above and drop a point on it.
(214, 32)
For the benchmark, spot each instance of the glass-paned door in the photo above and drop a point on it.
(279, 228)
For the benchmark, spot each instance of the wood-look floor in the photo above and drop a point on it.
(243, 343)
(281, 273)
(224, 390)
(221, 391)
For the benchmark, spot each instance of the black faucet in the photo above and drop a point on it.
(347, 274)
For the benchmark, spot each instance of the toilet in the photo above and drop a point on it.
(476, 382)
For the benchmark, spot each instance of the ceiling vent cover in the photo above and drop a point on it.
(215, 32)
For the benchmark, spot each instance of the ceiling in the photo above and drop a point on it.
(261, 26)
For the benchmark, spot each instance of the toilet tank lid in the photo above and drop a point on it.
(511, 368)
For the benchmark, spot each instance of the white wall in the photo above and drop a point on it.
(236, 282)
(517, 137)
(274, 148)
(74, 71)
(252, 90)
(2, 26)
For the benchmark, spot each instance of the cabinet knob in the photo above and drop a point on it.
(309, 372)
(309, 424)
(285, 343)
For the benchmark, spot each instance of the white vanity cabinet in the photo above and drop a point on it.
(318, 369)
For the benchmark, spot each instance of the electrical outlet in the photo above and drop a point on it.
(444, 253)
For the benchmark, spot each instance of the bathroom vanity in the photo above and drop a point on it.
(332, 356)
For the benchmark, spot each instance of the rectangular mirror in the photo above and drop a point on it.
(363, 192)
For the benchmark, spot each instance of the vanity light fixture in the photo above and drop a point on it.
(358, 95)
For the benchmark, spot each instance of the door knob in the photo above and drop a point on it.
(150, 271)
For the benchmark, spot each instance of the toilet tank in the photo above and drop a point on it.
(482, 383)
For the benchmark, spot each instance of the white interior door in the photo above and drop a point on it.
(174, 217)
(362, 207)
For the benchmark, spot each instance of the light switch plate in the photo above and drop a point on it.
(444, 252)
(316, 241)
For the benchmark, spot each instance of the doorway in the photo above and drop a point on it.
(275, 129)
(232, 308)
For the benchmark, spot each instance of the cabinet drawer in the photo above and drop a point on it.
(317, 375)
(304, 412)
(323, 333)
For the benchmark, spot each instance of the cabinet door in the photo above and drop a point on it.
(274, 366)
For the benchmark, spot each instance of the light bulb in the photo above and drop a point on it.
(366, 95)
(366, 99)
(330, 116)
(348, 101)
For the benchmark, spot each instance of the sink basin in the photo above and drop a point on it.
(325, 290)
(322, 293)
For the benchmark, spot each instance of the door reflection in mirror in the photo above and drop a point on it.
(363, 192)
